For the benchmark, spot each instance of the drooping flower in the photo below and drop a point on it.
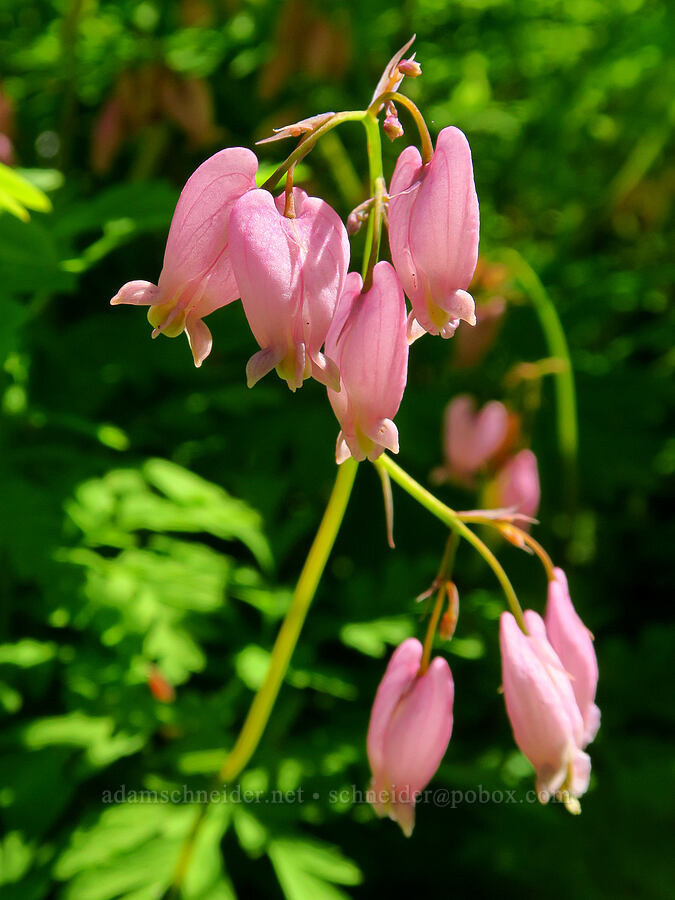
(409, 731)
(197, 276)
(516, 485)
(573, 643)
(367, 341)
(290, 273)
(433, 233)
(540, 702)
(473, 437)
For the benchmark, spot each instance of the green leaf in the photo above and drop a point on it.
(205, 878)
(308, 870)
(372, 638)
(18, 195)
(27, 653)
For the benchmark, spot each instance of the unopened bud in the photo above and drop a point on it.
(392, 128)
(446, 629)
(410, 67)
(358, 216)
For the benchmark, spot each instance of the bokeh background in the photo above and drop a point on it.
(154, 516)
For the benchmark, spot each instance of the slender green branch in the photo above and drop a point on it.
(378, 189)
(425, 137)
(309, 141)
(431, 630)
(556, 342)
(263, 702)
(450, 518)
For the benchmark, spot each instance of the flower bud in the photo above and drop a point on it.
(516, 485)
(290, 272)
(410, 67)
(367, 341)
(409, 731)
(540, 702)
(573, 643)
(392, 127)
(433, 234)
(197, 276)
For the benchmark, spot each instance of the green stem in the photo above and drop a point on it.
(556, 342)
(450, 518)
(378, 190)
(308, 142)
(425, 137)
(263, 702)
(431, 630)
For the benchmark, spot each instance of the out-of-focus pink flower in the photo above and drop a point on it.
(472, 437)
(433, 233)
(6, 129)
(290, 273)
(367, 341)
(540, 702)
(107, 135)
(409, 731)
(573, 643)
(516, 485)
(197, 276)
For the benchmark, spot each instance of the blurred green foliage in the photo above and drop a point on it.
(154, 516)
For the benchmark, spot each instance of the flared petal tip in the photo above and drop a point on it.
(137, 293)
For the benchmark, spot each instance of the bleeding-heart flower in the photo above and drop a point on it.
(573, 643)
(197, 276)
(433, 233)
(368, 343)
(290, 273)
(409, 731)
(516, 486)
(472, 438)
(540, 702)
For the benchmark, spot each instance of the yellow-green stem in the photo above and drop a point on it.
(431, 630)
(377, 192)
(556, 342)
(450, 518)
(263, 702)
(425, 137)
(308, 142)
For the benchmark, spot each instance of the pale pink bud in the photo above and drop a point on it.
(290, 272)
(541, 706)
(367, 341)
(516, 485)
(410, 67)
(392, 127)
(433, 233)
(197, 276)
(472, 438)
(409, 731)
(573, 643)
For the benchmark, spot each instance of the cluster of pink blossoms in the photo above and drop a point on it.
(287, 258)
(549, 678)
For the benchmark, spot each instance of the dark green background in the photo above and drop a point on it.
(109, 563)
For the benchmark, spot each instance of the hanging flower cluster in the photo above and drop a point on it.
(287, 258)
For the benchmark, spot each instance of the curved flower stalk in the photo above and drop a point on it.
(433, 233)
(367, 341)
(197, 276)
(290, 272)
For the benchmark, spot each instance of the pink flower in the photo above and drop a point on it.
(540, 702)
(433, 233)
(573, 643)
(290, 273)
(368, 343)
(409, 731)
(472, 438)
(197, 276)
(516, 485)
